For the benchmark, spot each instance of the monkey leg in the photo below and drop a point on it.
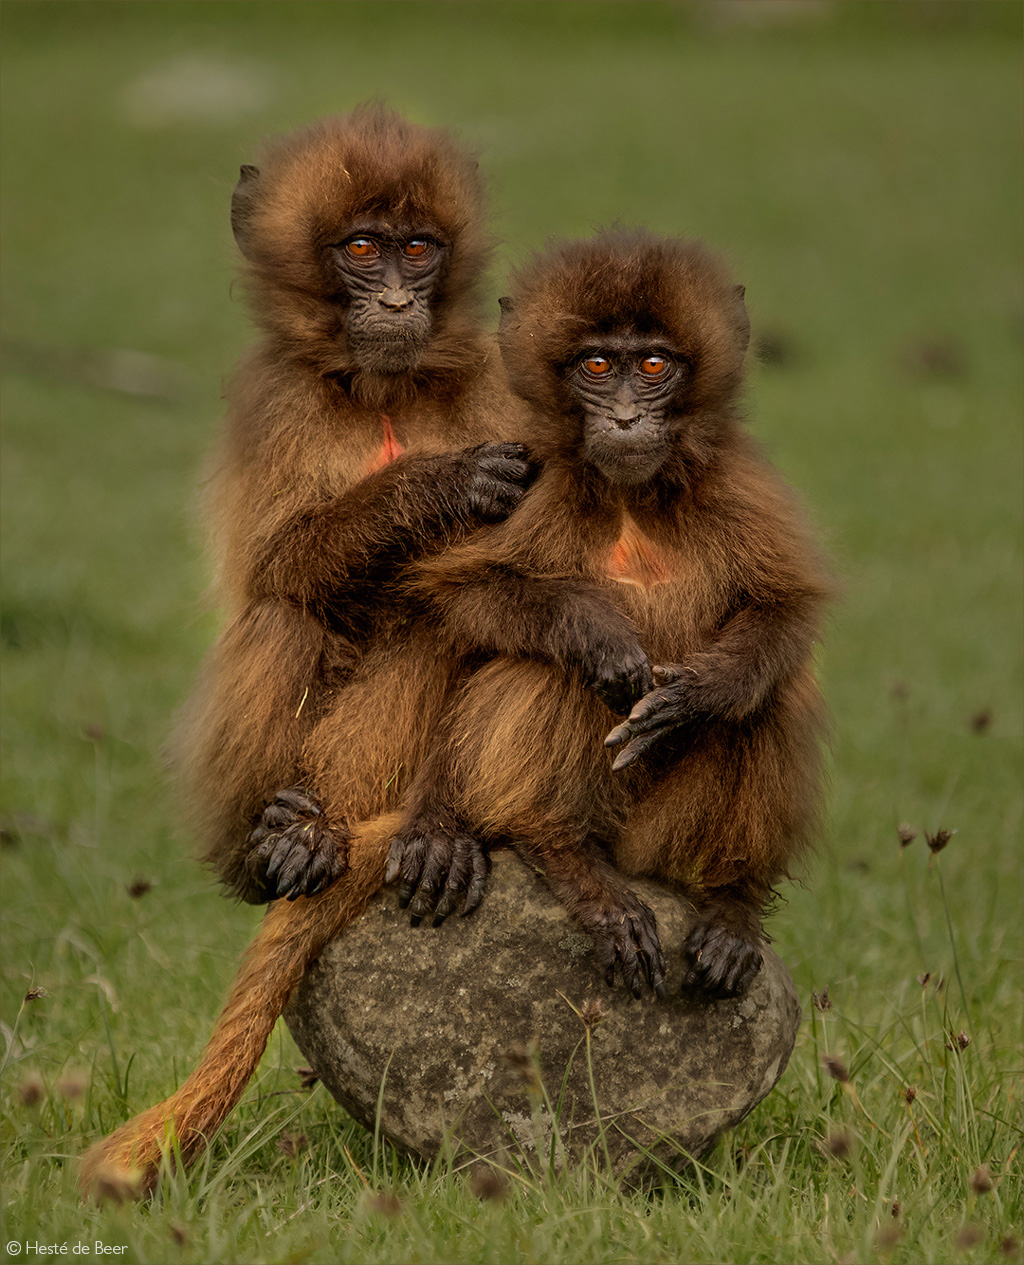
(523, 761)
(241, 734)
(726, 819)
(289, 938)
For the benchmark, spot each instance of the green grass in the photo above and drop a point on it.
(862, 169)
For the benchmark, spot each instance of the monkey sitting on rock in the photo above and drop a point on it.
(356, 440)
(655, 533)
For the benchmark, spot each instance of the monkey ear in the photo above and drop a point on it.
(742, 319)
(243, 202)
(507, 308)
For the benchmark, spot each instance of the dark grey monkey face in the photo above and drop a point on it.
(625, 385)
(390, 276)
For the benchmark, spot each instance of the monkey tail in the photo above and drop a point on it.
(291, 935)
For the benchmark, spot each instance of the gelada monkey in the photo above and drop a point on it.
(655, 532)
(653, 500)
(354, 443)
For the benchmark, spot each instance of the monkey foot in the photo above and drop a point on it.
(292, 852)
(718, 961)
(626, 935)
(436, 865)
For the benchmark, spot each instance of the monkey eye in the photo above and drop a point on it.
(653, 366)
(597, 366)
(363, 248)
(419, 248)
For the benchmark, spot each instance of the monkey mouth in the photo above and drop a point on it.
(625, 458)
(385, 347)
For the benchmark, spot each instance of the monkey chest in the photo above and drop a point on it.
(633, 558)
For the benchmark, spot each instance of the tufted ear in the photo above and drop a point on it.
(243, 203)
(742, 319)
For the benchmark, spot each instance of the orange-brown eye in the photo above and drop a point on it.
(653, 366)
(418, 248)
(362, 248)
(597, 365)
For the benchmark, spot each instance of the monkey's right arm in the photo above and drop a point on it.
(324, 556)
(496, 608)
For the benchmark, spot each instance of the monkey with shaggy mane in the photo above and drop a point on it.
(356, 440)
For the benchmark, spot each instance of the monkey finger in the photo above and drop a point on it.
(478, 881)
(637, 747)
(395, 854)
(298, 800)
(412, 868)
(666, 673)
(454, 886)
(435, 867)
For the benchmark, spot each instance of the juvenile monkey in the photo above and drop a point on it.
(354, 443)
(652, 500)
(655, 532)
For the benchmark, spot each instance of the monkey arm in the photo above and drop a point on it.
(323, 556)
(758, 648)
(500, 610)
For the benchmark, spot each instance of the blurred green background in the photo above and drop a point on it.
(859, 163)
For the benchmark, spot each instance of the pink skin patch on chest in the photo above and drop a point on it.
(389, 449)
(637, 560)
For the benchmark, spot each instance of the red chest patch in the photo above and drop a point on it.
(635, 559)
(389, 449)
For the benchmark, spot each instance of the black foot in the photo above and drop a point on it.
(626, 936)
(718, 961)
(436, 865)
(292, 852)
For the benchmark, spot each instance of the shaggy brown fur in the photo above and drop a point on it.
(329, 478)
(707, 564)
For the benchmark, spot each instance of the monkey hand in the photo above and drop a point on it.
(292, 852)
(436, 863)
(495, 479)
(659, 712)
(718, 961)
(615, 667)
(626, 937)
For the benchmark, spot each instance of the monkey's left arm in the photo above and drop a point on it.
(756, 649)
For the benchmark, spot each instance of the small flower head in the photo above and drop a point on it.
(981, 1180)
(292, 1144)
(31, 1091)
(907, 834)
(36, 994)
(821, 1000)
(592, 1013)
(307, 1077)
(970, 1236)
(72, 1086)
(837, 1144)
(138, 887)
(488, 1184)
(910, 1093)
(939, 839)
(836, 1068)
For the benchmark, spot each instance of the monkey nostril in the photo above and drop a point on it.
(626, 422)
(394, 300)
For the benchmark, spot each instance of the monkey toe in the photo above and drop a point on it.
(627, 941)
(437, 870)
(719, 962)
(293, 854)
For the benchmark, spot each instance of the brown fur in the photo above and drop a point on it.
(311, 501)
(711, 565)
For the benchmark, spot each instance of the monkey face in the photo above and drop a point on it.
(390, 280)
(625, 384)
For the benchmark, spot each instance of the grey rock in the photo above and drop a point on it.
(435, 1014)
